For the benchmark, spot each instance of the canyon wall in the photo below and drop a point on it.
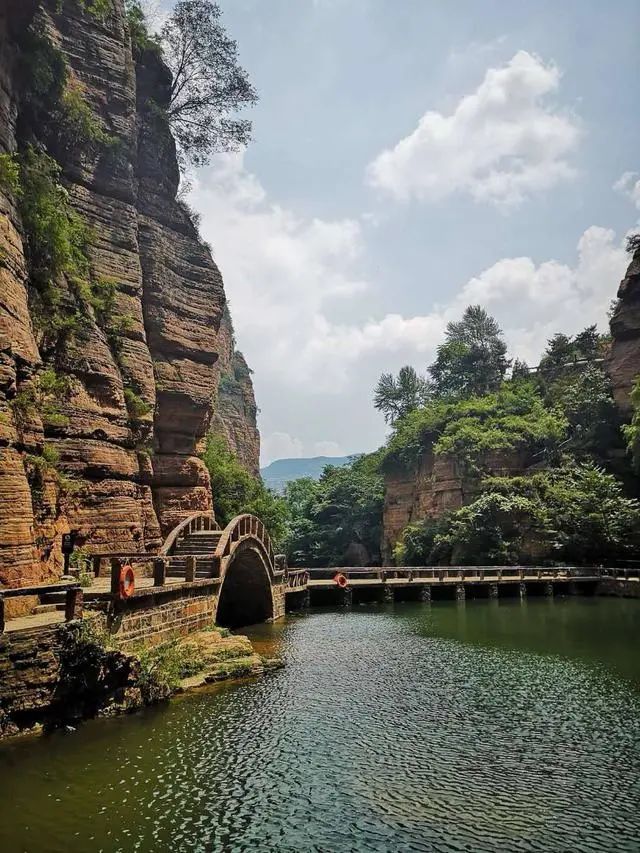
(432, 486)
(118, 463)
(624, 360)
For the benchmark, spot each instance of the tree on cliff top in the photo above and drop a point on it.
(208, 84)
(472, 360)
(397, 396)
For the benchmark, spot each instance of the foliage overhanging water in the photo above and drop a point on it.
(483, 726)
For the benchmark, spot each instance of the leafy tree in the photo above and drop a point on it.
(631, 431)
(520, 370)
(514, 417)
(472, 360)
(208, 86)
(337, 519)
(396, 397)
(236, 491)
(633, 243)
(573, 514)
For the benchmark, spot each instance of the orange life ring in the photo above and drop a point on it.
(127, 581)
(341, 580)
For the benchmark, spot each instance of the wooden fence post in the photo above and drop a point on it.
(190, 569)
(159, 572)
(116, 567)
(73, 604)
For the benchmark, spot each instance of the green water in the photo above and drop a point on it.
(482, 726)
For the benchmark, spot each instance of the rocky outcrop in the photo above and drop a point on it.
(624, 360)
(120, 463)
(235, 408)
(435, 484)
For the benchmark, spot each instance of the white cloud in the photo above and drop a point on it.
(279, 445)
(501, 144)
(532, 302)
(314, 374)
(629, 185)
(327, 448)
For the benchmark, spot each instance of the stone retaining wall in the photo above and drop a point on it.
(164, 615)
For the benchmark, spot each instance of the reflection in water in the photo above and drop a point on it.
(477, 727)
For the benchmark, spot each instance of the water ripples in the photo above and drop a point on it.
(379, 735)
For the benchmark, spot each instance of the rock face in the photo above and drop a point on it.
(235, 409)
(433, 486)
(624, 361)
(119, 464)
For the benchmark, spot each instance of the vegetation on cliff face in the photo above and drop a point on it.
(557, 424)
(576, 513)
(236, 491)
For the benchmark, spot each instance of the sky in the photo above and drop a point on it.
(411, 157)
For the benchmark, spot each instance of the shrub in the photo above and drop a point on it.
(137, 408)
(236, 491)
(631, 431)
(42, 397)
(78, 124)
(9, 174)
(141, 39)
(514, 417)
(57, 242)
(96, 8)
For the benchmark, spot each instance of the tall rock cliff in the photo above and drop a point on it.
(108, 384)
(235, 408)
(624, 360)
(432, 486)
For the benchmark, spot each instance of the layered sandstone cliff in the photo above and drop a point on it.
(119, 464)
(433, 485)
(624, 361)
(235, 408)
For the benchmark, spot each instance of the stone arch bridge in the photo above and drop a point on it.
(234, 568)
(232, 577)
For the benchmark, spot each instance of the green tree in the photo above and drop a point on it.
(397, 396)
(472, 359)
(208, 85)
(236, 491)
(336, 520)
(572, 514)
(631, 431)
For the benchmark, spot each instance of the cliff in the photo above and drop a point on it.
(109, 365)
(432, 486)
(235, 409)
(624, 360)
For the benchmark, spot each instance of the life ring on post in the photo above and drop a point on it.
(127, 582)
(341, 580)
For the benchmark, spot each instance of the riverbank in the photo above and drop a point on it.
(60, 675)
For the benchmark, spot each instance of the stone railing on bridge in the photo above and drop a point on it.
(240, 529)
(196, 523)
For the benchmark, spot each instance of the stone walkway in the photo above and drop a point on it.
(38, 620)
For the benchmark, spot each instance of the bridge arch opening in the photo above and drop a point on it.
(245, 596)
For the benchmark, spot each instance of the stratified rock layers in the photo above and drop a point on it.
(133, 478)
(624, 361)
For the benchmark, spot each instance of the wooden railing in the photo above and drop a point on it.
(72, 601)
(241, 528)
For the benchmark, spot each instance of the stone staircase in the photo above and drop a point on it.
(200, 544)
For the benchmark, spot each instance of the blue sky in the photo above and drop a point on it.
(409, 158)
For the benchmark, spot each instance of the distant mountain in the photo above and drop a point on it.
(280, 471)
